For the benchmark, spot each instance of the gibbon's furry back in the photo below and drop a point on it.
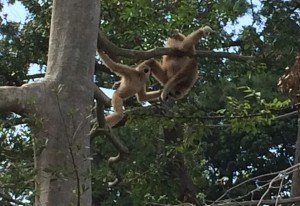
(179, 74)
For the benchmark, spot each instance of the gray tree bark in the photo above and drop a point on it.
(59, 107)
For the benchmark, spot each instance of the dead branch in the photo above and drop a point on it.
(264, 202)
(244, 203)
(279, 176)
(159, 204)
(100, 128)
(112, 161)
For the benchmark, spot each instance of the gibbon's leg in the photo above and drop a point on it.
(117, 103)
(113, 66)
(157, 71)
(193, 38)
(145, 96)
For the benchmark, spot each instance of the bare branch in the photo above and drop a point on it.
(159, 204)
(34, 76)
(279, 175)
(287, 115)
(13, 99)
(244, 203)
(232, 56)
(100, 96)
(264, 202)
(114, 50)
(100, 129)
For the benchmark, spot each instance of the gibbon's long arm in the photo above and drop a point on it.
(193, 38)
(118, 68)
(145, 96)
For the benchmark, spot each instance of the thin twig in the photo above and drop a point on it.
(279, 190)
(285, 172)
(267, 191)
(265, 202)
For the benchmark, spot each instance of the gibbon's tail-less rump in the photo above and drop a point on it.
(133, 82)
(178, 74)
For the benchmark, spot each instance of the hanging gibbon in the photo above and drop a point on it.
(178, 74)
(133, 82)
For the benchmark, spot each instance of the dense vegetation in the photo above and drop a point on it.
(227, 130)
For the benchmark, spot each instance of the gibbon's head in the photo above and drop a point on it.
(179, 91)
(145, 70)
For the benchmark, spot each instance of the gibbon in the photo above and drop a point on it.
(178, 74)
(133, 82)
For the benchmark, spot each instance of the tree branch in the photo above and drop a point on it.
(34, 76)
(13, 99)
(159, 204)
(263, 202)
(245, 203)
(100, 96)
(98, 129)
(113, 50)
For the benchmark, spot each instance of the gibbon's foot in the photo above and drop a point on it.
(207, 30)
(164, 96)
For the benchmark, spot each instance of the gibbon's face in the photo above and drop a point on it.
(145, 69)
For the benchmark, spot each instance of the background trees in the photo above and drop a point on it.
(229, 129)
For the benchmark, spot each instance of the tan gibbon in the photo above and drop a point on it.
(178, 74)
(133, 82)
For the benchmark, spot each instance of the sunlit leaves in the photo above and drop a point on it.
(16, 160)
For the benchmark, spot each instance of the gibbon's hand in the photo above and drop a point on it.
(207, 30)
(116, 85)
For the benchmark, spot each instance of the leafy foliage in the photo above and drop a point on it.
(229, 133)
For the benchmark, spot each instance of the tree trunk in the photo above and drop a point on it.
(296, 174)
(58, 108)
